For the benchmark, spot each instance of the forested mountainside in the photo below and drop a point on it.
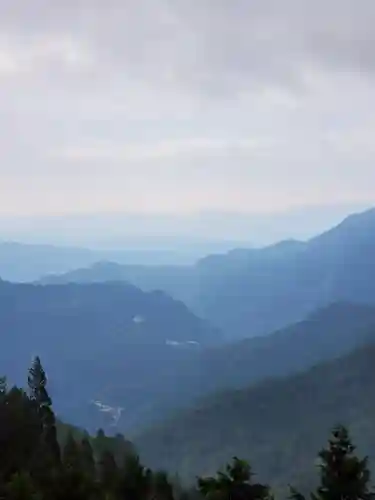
(42, 458)
(102, 344)
(325, 335)
(139, 356)
(277, 424)
(253, 292)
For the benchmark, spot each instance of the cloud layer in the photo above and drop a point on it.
(185, 105)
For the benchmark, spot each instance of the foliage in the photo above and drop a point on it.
(34, 465)
(234, 484)
(343, 476)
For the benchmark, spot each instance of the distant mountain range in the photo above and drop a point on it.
(124, 359)
(138, 355)
(184, 359)
(209, 231)
(254, 292)
(29, 262)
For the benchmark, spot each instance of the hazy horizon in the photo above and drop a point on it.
(205, 231)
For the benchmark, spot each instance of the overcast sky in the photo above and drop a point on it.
(175, 106)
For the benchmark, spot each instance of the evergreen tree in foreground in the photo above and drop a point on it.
(234, 484)
(162, 488)
(343, 476)
(136, 480)
(20, 487)
(107, 468)
(88, 461)
(37, 381)
(45, 461)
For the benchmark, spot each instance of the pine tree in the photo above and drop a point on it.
(162, 488)
(37, 381)
(19, 432)
(73, 481)
(3, 387)
(136, 480)
(108, 472)
(234, 484)
(20, 487)
(71, 456)
(88, 461)
(343, 476)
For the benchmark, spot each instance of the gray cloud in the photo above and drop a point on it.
(185, 105)
(210, 45)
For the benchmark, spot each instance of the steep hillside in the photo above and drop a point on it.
(140, 356)
(105, 346)
(253, 292)
(325, 335)
(279, 424)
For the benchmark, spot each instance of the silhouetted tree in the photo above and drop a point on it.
(71, 455)
(108, 472)
(39, 396)
(135, 480)
(19, 433)
(343, 476)
(234, 484)
(3, 387)
(21, 487)
(162, 488)
(87, 457)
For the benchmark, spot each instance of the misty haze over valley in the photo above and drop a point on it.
(187, 242)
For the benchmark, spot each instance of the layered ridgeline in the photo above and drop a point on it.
(123, 359)
(277, 424)
(111, 350)
(28, 262)
(325, 335)
(253, 292)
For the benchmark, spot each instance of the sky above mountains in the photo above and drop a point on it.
(184, 106)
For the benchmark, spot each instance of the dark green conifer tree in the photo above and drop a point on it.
(3, 387)
(233, 484)
(162, 488)
(343, 476)
(135, 480)
(21, 487)
(46, 461)
(108, 472)
(19, 433)
(73, 481)
(71, 455)
(37, 381)
(87, 456)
